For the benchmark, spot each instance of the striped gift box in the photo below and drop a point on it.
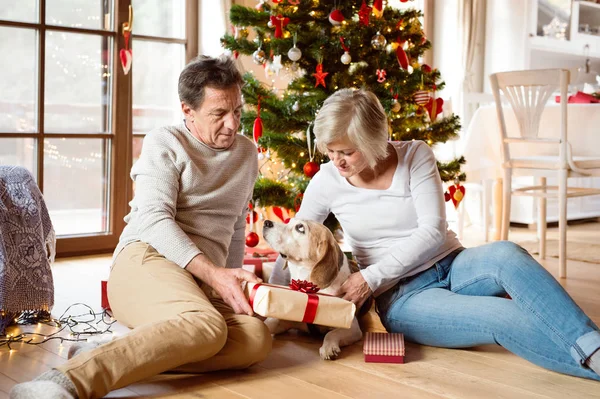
(421, 97)
(384, 347)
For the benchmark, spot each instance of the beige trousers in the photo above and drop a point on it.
(177, 325)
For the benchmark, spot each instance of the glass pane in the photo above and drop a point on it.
(90, 14)
(18, 80)
(22, 10)
(76, 184)
(159, 18)
(78, 75)
(156, 71)
(21, 152)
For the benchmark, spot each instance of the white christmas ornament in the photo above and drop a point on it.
(294, 54)
(346, 58)
(259, 56)
(296, 106)
(276, 64)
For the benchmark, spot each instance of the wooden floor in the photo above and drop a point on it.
(294, 369)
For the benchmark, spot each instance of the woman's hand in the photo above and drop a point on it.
(355, 289)
(226, 282)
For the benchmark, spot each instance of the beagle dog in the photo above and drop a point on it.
(312, 254)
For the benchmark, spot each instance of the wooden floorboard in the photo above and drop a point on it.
(294, 369)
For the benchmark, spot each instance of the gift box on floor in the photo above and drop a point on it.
(288, 304)
(267, 254)
(384, 347)
(259, 267)
(103, 295)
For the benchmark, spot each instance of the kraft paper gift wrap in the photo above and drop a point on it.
(283, 303)
(262, 269)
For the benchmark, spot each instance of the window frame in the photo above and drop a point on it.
(120, 138)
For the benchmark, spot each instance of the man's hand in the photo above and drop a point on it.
(226, 282)
(355, 289)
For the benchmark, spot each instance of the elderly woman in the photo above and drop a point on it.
(176, 276)
(388, 198)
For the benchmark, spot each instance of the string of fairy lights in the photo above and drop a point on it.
(85, 324)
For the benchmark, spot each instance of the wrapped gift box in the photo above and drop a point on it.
(267, 255)
(384, 347)
(257, 266)
(286, 304)
(103, 295)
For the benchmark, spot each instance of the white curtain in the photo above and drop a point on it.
(214, 23)
(471, 22)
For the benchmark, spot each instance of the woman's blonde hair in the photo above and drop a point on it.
(358, 115)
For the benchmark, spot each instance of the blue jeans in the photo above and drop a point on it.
(461, 302)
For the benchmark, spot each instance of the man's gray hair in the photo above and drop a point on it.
(204, 71)
(357, 115)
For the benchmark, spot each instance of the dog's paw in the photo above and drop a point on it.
(329, 351)
(272, 325)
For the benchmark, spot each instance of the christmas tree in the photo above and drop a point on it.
(326, 45)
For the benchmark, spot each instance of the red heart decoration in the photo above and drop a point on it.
(457, 192)
(126, 57)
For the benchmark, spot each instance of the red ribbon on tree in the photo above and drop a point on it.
(257, 131)
(279, 22)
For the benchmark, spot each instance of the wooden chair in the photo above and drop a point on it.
(528, 92)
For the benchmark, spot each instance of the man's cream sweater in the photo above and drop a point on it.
(190, 198)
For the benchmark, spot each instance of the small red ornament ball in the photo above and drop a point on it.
(447, 196)
(426, 68)
(254, 217)
(311, 168)
(252, 239)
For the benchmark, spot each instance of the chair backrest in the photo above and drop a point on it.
(528, 93)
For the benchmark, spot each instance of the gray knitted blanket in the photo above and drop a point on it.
(27, 246)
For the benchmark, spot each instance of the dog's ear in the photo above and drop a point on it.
(328, 255)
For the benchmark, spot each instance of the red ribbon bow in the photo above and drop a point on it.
(304, 286)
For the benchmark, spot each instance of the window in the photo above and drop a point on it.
(65, 110)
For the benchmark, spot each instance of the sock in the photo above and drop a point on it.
(593, 362)
(51, 385)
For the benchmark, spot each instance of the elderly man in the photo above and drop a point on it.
(176, 276)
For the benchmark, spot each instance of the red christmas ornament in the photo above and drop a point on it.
(457, 193)
(446, 196)
(364, 13)
(381, 73)
(378, 8)
(434, 107)
(421, 97)
(279, 22)
(336, 17)
(311, 168)
(425, 68)
(254, 217)
(401, 56)
(257, 130)
(320, 75)
(252, 239)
